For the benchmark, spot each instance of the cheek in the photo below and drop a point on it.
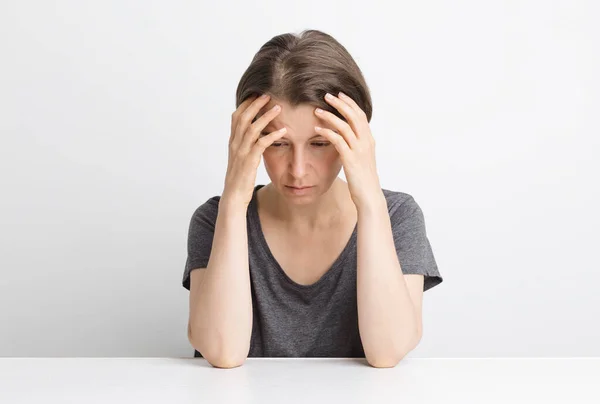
(272, 162)
(331, 158)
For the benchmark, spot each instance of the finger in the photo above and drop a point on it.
(336, 139)
(265, 141)
(340, 126)
(352, 118)
(352, 104)
(238, 111)
(247, 116)
(256, 128)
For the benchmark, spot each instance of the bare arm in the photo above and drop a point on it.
(389, 303)
(220, 321)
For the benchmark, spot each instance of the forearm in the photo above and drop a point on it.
(386, 315)
(221, 305)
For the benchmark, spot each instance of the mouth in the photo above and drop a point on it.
(289, 186)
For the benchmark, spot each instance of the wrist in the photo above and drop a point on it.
(232, 206)
(372, 207)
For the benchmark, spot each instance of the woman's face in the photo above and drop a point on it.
(300, 158)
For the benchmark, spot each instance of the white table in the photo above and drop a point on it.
(298, 380)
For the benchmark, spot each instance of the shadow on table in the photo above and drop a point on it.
(346, 362)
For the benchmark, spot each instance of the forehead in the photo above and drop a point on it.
(300, 111)
(300, 120)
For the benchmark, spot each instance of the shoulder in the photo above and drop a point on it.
(405, 213)
(400, 204)
(206, 213)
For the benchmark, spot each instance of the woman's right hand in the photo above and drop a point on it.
(246, 149)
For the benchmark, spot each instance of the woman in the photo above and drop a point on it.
(308, 265)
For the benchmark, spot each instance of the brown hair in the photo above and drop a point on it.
(301, 69)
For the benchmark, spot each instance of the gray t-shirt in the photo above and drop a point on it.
(321, 319)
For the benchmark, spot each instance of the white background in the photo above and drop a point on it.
(115, 117)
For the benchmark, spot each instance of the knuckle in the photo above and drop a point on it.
(252, 129)
(263, 141)
(247, 115)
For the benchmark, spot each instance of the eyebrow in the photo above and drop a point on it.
(265, 133)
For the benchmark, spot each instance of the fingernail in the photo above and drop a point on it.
(263, 96)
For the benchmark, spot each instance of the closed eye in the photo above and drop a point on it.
(316, 144)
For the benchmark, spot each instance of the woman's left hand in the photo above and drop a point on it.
(356, 146)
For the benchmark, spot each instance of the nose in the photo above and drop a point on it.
(298, 164)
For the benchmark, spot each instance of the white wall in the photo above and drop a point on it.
(115, 121)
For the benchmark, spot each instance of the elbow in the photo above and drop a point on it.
(219, 358)
(223, 359)
(393, 357)
(385, 361)
(226, 362)
(389, 360)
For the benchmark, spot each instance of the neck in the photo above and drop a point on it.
(325, 211)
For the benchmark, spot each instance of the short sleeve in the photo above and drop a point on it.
(200, 238)
(412, 245)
